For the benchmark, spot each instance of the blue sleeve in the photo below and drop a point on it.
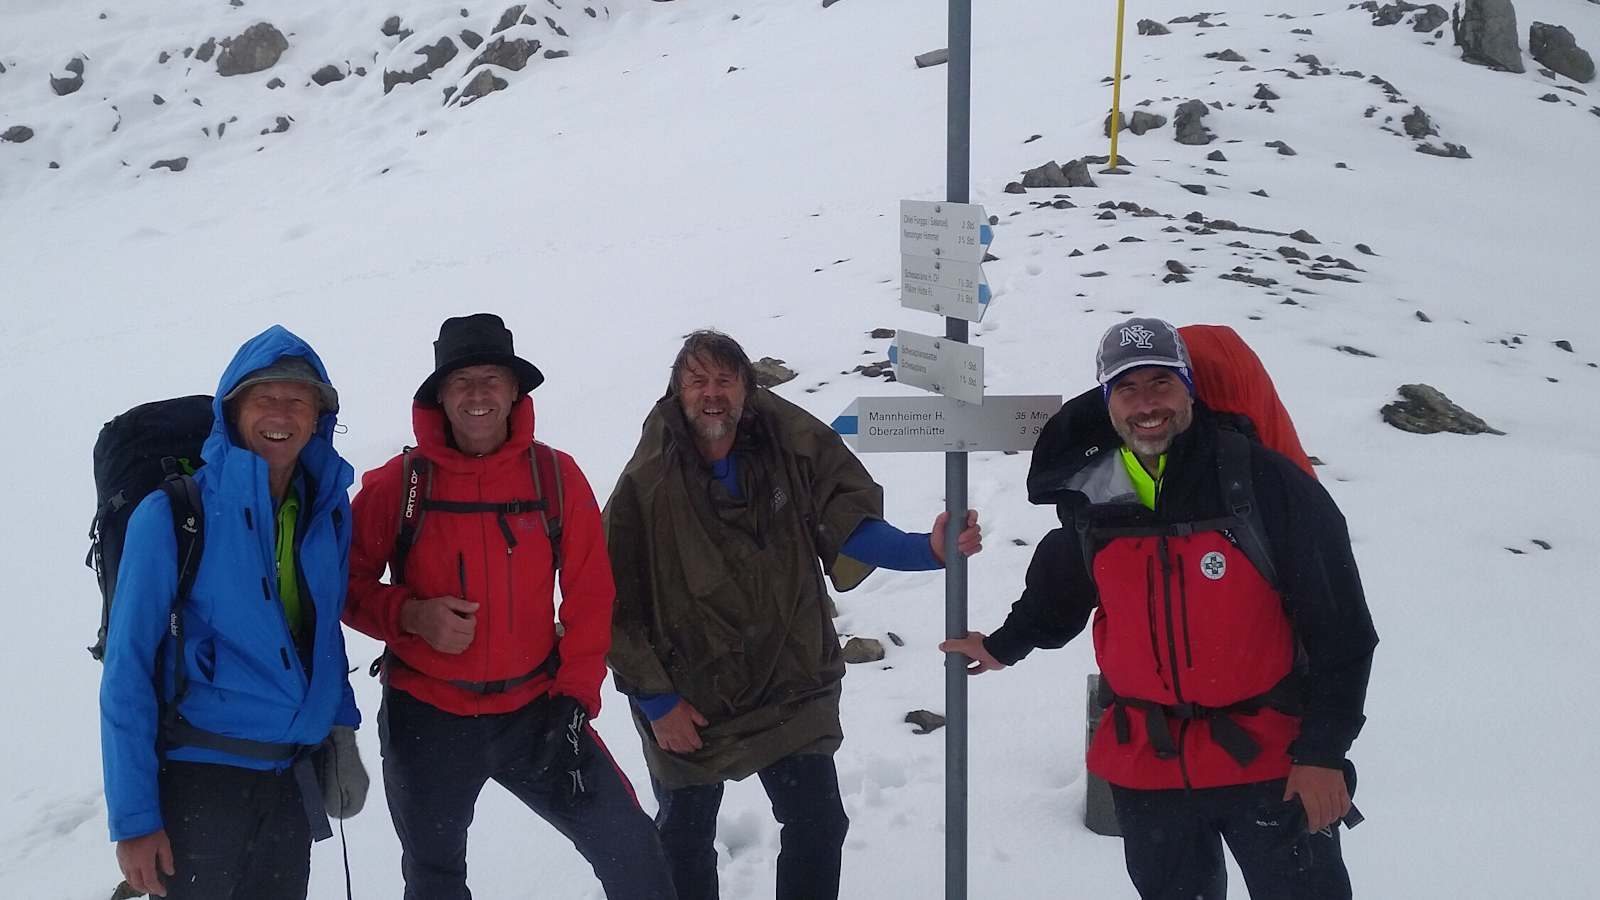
(654, 706)
(877, 543)
(129, 707)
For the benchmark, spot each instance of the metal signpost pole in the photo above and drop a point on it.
(957, 175)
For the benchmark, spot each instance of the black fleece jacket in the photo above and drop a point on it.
(1310, 547)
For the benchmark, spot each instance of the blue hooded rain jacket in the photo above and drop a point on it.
(245, 677)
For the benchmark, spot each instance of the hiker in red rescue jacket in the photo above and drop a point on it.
(1229, 623)
(480, 681)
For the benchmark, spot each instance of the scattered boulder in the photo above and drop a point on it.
(391, 27)
(327, 75)
(1449, 150)
(1486, 32)
(1282, 148)
(1216, 156)
(1152, 27)
(1143, 122)
(175, 165)
(1424, 410)
(1178, 268)
(279, 127)
(1555, 46)
(471, 38)
(1355, 351)
(1265, 93)
(509, 18)
(513, 54)
(1417, 123)
(1550, 98)
(1293, 253)
(434, 56)
(205, 51)
(1304, 237)
(1122, 124)
(73, 79)
(482, 85)
(1015, 187)
(1194, 188)
(16, 134)
(557, 54)
(926, 722)
(772, 372)
(1052, 175)
(1363, 248)
(863, 650)
(882, 333)
(274, 84)
(1188, 123)
(932, 58)
(1225, 56)
(256, 49)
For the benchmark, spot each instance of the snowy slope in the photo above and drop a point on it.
(608, 202)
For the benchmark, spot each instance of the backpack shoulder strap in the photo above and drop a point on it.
(188, 526)
(416, 485)
(1238, 493)
(548, 495)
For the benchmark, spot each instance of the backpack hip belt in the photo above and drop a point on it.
(1229, 735)
(484, 688)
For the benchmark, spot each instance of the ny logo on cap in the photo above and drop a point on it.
(1139, 336)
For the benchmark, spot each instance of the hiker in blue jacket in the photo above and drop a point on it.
(215, 733)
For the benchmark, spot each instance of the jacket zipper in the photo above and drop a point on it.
(1172, 649)
(1150, 612)
(271, 596)
(1183, 598)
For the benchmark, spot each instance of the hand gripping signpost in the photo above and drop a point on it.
(941, 271)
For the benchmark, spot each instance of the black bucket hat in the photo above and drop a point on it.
(481, 339)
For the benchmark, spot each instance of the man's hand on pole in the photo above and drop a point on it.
(972, 648)
(969, 542)
(679, 731)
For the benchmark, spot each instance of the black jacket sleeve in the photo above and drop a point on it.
(1324, 598)
(1055, 603)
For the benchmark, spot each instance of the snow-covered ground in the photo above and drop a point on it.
(610, 201)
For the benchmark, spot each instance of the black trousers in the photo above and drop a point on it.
(237, 834)
(804, 790)
(1173, 844)
(435, 764)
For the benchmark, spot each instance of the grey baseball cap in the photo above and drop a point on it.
(289, 368)
(1141, 342)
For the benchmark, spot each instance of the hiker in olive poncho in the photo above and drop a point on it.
(734, 506)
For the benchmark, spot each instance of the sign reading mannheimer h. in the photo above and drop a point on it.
(940, 424)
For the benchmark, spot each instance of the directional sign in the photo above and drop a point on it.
(943, 425)
(944, 286)
(940, 365)
(958, 231)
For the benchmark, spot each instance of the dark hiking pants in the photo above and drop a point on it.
(804, 790)
(1173, 844)
(237, 834)
(435, 764)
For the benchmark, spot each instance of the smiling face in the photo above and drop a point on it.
(1149, 407)
(712, 396)
(477, 400)
(275, 420)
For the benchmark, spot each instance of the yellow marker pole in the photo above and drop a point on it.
(1116, 88)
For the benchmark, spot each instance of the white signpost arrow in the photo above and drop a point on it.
(943, 425)
(947, 287)
(957, 231)
(940, 365)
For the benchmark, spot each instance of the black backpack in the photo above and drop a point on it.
(154, 446)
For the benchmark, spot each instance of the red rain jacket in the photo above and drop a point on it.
(466, 554)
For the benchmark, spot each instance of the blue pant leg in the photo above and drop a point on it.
(804, 790)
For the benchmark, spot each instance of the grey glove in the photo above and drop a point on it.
(340, 772)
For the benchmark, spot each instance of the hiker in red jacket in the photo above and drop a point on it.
(1229, 623)
(483, 679)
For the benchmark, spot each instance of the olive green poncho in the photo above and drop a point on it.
(722, 601)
